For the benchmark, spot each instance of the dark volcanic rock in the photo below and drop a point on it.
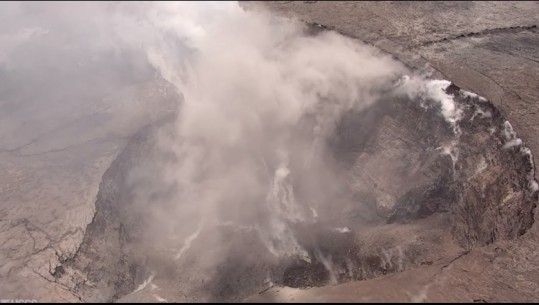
(492, 180)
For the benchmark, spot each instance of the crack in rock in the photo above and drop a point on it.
(512, 29)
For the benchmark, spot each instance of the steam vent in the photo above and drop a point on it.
(286, 151)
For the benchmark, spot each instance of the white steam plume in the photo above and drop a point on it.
(251, 82)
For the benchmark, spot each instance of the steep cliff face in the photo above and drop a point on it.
(496, 188)
(484, 175)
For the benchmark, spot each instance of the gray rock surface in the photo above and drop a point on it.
(49, 186)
